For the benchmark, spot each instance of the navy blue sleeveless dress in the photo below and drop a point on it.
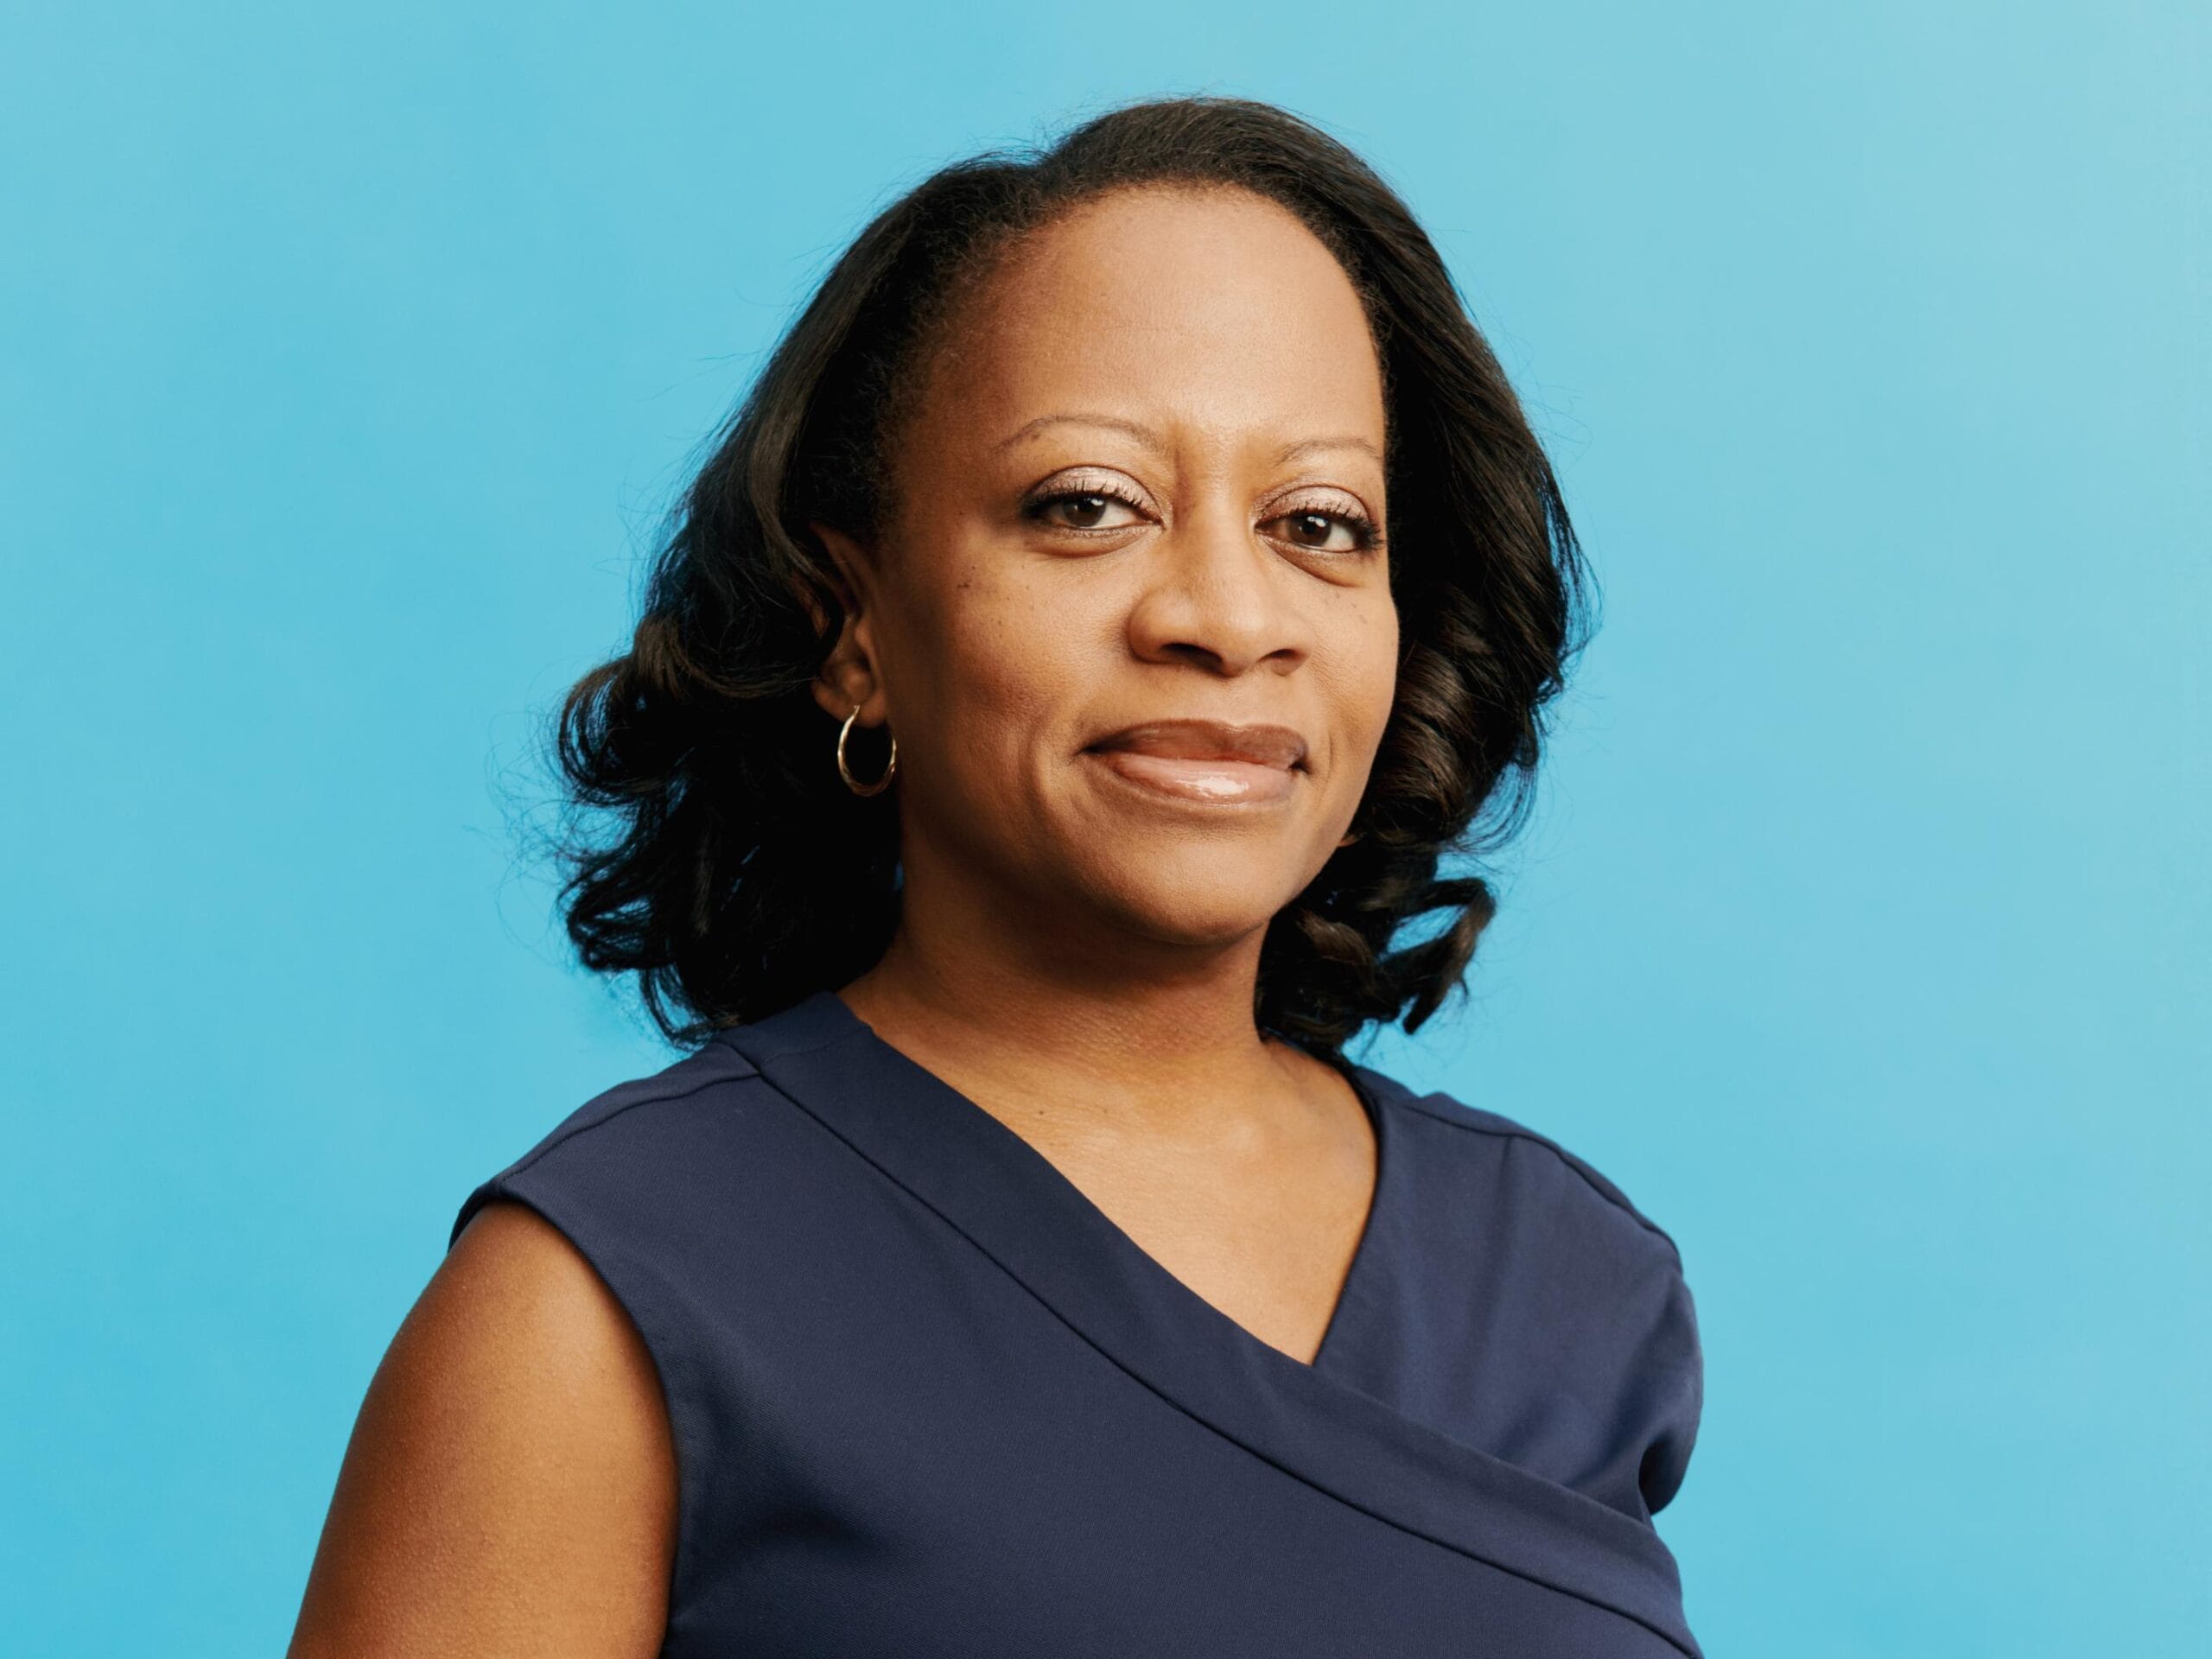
(929, 1400)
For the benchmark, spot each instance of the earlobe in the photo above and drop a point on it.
(846, 678)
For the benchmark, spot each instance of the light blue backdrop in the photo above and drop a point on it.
(349, 352)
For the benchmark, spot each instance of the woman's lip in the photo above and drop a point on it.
(1253, 743)
(1208, 780)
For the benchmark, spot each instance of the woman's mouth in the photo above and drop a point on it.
(1206, 761)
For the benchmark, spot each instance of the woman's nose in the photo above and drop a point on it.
(1216, 595)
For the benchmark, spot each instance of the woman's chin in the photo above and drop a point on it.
(1215, 896)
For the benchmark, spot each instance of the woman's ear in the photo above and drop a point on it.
(848, 678)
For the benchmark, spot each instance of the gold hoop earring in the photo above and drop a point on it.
(845, 772)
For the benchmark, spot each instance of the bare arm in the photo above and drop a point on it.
(510, 1487)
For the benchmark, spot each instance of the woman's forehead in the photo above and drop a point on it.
(1216, 309)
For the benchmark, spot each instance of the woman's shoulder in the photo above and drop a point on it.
(634, 1146)
(1503, 1156)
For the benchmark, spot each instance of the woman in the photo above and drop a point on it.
(1125, 579)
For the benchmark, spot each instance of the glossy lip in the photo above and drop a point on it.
(1206, 762)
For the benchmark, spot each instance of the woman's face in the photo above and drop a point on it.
(1132, 630)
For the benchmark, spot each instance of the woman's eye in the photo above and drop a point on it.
(1324, 532)
(1084, 510)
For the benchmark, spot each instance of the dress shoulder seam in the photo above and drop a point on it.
(561, 1135)
(1474, 1120)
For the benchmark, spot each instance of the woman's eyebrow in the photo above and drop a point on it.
(1151, 440)
(1143, 434)
(1317, 446)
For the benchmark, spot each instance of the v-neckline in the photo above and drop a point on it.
(1011, 1203)
(1351, 1292)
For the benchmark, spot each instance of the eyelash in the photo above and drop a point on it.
(1362, 527)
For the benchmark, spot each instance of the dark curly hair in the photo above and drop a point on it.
(709, 846)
